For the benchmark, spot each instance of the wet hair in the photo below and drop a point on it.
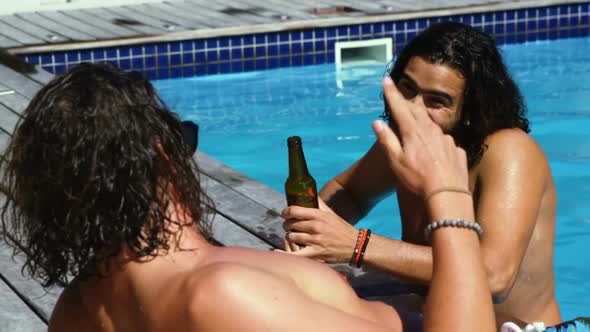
(86, 177)
(492, 101)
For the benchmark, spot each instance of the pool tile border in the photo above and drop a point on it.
(230, 54)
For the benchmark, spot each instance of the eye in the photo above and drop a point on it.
(435, 102)
(406, 89)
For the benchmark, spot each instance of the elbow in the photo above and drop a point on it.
(500, 283)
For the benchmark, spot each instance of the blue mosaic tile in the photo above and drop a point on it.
(163, 73)
(331, 32)
(574, 9)
(273, 63)
(320, 45)
(212, 43)
(553, 34)
(249, 65)
(124, 52)
(211, 56)
(543, 12)
(586, 8)
(260, 64)
(150, 62)
(564, 22)
(248, 52)
(564, 33)
(308, 59)
(125, 64)
(137, 64)
(188, 71)
(510, 39)
(552, 23)
(200, 57)
(187, 58)
(307, 47)
(175, 72)
(224, 42)
(542, 24)
(225, 67)
(543, 35)
(284, 36)
(284, 62)
(531, 25)
(260, 51)
(247, 40)
(297, 61)
(354, 30)
(365, 29)
(500, 40)
(236, 66)
(585, 20)
(563, 10)
(400, 38)
(187, 46)
(60, 58)
(388, 27)
(60, 69)
(72, 57)
(200, 69)
(399, 26)
(284, 49)
(151, 74)
(297, 36)
(574, 21)
(296, 48)
(199, 45)
(331, 44)
(331, 57)
(320, 58)
(149, 49)
(510, 15)
(212, 68)
(521, 38)
(175, 60)
(489, 29)
(259, 38)
(521, 14)
(48, 69)
(574, 33)
(531, 36)
(272, 38)
(477, 19)
(236, 53)
(273, 50)
(553, 11)
(307, 35)
(521, 26)
(224, 55)
(136, 51)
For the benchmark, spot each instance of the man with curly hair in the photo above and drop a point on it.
(456, 72)
(104, 199)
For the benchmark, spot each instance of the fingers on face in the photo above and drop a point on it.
(400, 109)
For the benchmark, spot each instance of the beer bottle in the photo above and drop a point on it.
(300, 187)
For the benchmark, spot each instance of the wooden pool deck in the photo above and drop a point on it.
(247, 212)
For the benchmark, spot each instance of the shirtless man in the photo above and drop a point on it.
(101, 187)
(457, 73)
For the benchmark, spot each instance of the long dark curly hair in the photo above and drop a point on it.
(492, 101)
(85, 176)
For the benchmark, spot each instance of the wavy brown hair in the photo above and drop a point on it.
(84, 176)
(492, 101)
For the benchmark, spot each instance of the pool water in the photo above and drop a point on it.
(246, 118)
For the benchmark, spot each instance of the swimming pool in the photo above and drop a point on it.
(246, 118)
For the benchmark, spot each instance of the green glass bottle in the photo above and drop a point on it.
(300, 187)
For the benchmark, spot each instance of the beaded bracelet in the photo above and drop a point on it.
(452, 223)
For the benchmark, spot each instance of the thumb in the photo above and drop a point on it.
(387, 138)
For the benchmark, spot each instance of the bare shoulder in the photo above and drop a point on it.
(512, 148)
(64, 314)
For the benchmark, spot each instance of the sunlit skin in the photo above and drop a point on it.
(514, 197)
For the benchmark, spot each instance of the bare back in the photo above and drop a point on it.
(155, 295)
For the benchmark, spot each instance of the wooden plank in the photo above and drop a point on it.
(229, 234)
(84, 27)
(18, 82)
(156, 10)
(116, 16)
(255, 218)
(107, 26)
(14, 313)
(73, 34)
(212, 12)
(288, 9)
(252, 18)
(14, 102)
(6, 42)
(149, 20)
(34, 30)
(4, 140)
(8, 119)
(211, 17)
(18, 35)
(42, 300)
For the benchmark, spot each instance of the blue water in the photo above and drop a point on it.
(246, 118)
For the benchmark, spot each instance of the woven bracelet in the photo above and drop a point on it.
(356, 248)
(452, 223)
(364, 247)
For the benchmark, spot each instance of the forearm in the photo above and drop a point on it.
(341, 202)
(459, 296)
(404, 260)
